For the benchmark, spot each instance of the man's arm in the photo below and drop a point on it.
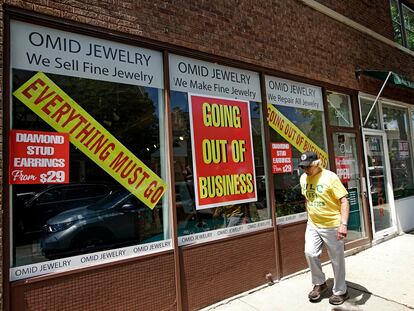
(343, 229)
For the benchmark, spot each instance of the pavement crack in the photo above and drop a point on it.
(253, 307)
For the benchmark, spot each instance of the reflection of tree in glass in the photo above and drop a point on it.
(395, 124)
(126, 111)
(408, 16)
(395, 15)
(314, 129)
(408, 20)
(288, 197)
(181, 125)
(23, 117)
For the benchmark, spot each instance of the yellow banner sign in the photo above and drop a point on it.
(289, 131)
(62, 113)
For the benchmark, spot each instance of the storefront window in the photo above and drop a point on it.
(297, 125)
(347, 169)
(99, 212)
(218, 150)
(396, 126)
(339, 107)
(369, 114)
(402, 15)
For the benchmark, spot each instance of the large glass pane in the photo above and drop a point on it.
(408, 16)
(370, 114)
(219, 166)
(377, 176)
(396, 22)
(99, 198)
(347, 169)
(396, 126)
(190, 219)
(297, 124)
(339, 107)
(289, 199)
(93, 212)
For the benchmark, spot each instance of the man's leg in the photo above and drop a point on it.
(336, 254)
(313, 250)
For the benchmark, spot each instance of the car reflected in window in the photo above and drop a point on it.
(33, 209)
(117, 220)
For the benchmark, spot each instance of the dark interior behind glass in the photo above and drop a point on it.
(54, 221)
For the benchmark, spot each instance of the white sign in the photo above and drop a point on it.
(223, 233)
(293, 94)
(87, 260)
(49, 50)
(190, 75)
(291, 218)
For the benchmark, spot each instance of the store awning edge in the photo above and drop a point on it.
(395, 79)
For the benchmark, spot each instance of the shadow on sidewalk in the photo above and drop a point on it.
(358, 295)
(355, 292)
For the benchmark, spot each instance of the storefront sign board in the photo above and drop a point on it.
(293, 94)
(213, 235)
(283, 220)
(196, 76)
(61, 112)
(38, 157)
(223, 160)
(87, 260)
(39, 48)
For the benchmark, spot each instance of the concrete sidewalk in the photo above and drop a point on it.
(379, 278)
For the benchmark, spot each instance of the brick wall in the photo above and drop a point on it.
(208, 278)
(372, 14)
(285, 36)
(148, 284)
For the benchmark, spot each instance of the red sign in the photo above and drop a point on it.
(38, 157)
(343, 169)
(223, 159)
(403, 149)
(281, 158)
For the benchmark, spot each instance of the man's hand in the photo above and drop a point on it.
(341, 232)
(342, 229)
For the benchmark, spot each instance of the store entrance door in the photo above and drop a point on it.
(347, 163)
(380, 192)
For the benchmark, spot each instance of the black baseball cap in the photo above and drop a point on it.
(307, 158)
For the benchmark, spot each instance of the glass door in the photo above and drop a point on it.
(347, 165)
(379, 184)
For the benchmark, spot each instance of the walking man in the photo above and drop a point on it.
(328, 212)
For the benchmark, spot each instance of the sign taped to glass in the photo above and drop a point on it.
(61, 112)
(38, 157)
(281, 158)
(343, 168)
(223, 159)
(403, 149)
(293, 135)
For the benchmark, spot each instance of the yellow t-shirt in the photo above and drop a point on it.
(322, 192)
